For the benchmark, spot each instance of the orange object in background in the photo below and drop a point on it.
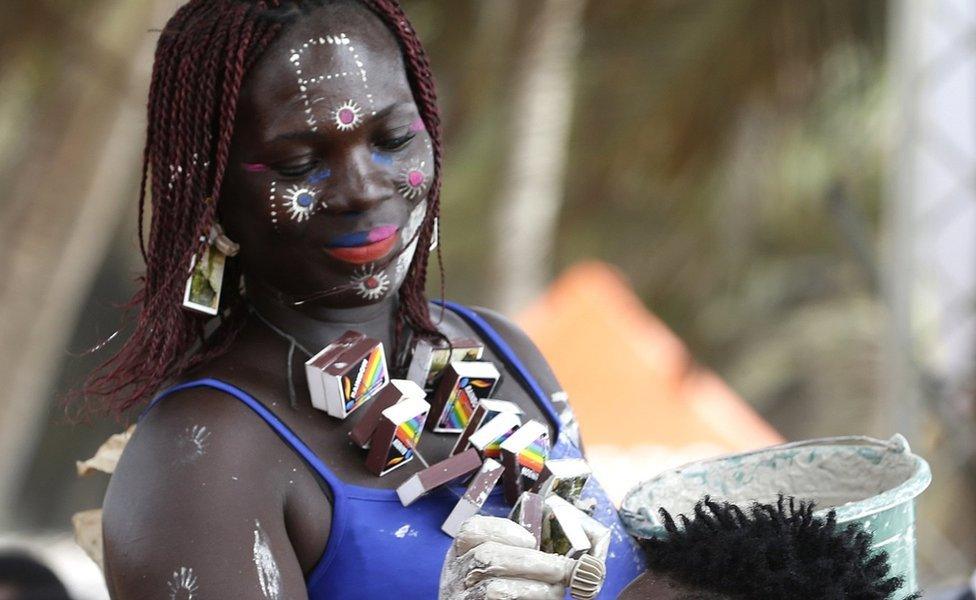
(632, 382)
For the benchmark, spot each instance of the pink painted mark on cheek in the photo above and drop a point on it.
(418, 126)
(416, 178)
(347, 116)
(255, 167)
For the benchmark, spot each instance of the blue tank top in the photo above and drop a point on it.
(378, 548)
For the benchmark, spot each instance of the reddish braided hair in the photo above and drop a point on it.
(202, 58)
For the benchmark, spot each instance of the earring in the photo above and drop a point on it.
(206, 280)
(435, 239)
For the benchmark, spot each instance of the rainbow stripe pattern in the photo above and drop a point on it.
(534, 455)
(408, 433)
(462, 402)
(494, 449)
(372, 376)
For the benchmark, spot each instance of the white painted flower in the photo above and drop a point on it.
(183, 585)
(348, 116)
(300, 202)
(370, 283)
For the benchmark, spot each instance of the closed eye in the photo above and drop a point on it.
(396, 143)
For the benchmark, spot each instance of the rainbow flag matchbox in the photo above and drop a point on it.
(488, 440)
(524, 454)
(430, 358)
(346, 374)
(437, 475)
(487, 410)
(463, 386)
(396, 435)
(475, 497)
(395, 392)
(562, 529)
(564, 477)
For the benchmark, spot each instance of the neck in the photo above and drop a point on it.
(316, 325)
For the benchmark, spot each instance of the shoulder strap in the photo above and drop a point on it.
(508, 356)
(283, 431)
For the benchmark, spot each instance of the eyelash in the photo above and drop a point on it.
(388, 145)
(393, 144)
(297, 170)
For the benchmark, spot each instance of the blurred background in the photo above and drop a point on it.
(773, 201)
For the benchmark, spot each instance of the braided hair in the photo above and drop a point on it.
(202, 58)
(770, 552)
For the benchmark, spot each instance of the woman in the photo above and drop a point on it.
(314, 126)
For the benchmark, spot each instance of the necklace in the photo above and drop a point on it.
(292, 344)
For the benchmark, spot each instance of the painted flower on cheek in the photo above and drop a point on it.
(412, 182)
(300, 200)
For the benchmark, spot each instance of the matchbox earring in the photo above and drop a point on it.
(206, 280)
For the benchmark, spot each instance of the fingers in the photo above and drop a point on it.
(479, 529)
(493, 560)
(599, 536)
(514, 589)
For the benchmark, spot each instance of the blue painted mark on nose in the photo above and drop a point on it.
(305, 200)
(382, 158)
(320, 175)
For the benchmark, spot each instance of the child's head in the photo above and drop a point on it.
(768, 552)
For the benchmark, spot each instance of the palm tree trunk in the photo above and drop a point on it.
(531, 194)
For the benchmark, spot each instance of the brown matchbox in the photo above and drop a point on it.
(528, 513)
(346, 374)
(430, 358)
(390, 395)
(396, 435)
(437, 475)
(463, 386)
(524, 454)
(487, 410)
(475, 497)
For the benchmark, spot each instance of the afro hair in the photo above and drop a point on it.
(770, 553)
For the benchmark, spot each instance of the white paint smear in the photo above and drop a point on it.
(269, 576)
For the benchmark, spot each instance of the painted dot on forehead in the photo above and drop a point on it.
(348, 116)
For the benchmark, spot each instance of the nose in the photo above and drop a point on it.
(358, 184)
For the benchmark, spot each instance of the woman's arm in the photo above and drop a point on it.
(197, 507)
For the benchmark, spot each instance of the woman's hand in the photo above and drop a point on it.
(494, 558)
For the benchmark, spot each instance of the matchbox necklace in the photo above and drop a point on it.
(494, 446)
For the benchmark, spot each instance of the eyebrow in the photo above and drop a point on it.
(310, 135)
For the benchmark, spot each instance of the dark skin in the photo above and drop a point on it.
(651, 586)
(203, 472)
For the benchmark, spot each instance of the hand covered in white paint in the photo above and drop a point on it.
(495, 559)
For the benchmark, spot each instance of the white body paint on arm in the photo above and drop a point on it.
(269, 576)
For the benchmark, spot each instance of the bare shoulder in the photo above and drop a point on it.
(523, 346)
(197, 484)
